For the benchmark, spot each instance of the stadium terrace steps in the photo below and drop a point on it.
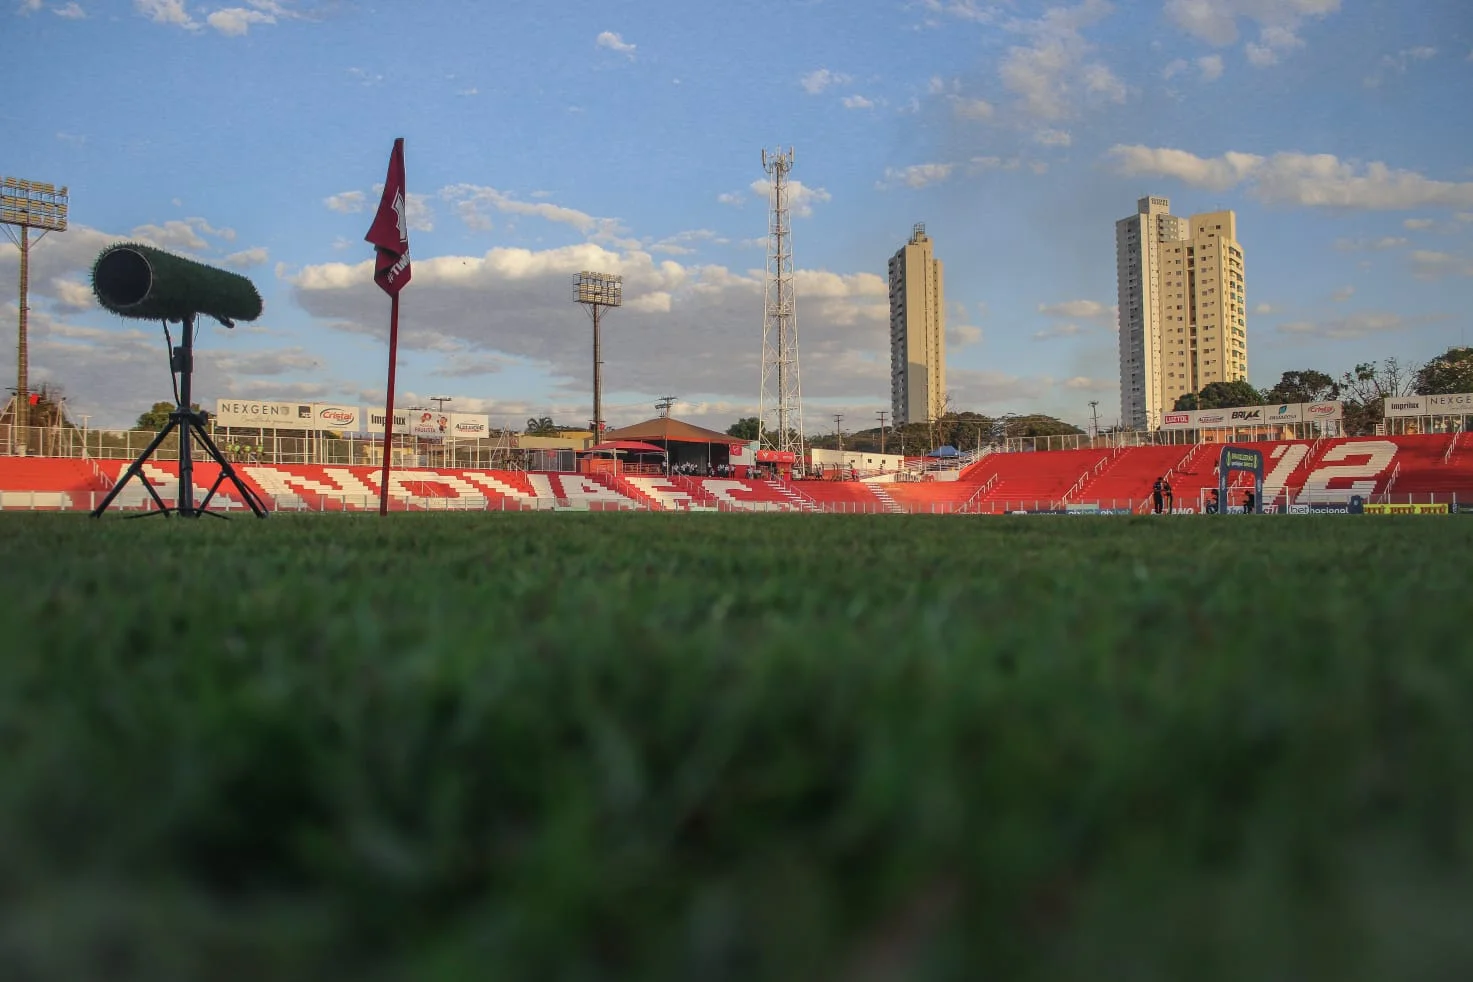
(51, 474)
(792, 495)
(1424, 467)
(1037, 479)
(842, 496)
(892, 506)
(928, 497)
(1128, 477)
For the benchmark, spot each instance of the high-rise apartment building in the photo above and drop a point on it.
(1183, 315)
(917, 332)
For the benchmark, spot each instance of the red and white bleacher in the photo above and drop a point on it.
(1398, 468)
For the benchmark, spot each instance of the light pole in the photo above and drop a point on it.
(598, 291)
(27, 205)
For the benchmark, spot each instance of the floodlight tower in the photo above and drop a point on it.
(598, 291)
(780, 404)
(27, 205)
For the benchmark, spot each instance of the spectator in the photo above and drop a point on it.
(1248, 503)
(1214, 504)
(1170, 496)
(1156, 492)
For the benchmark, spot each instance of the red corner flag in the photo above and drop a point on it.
(389, 235)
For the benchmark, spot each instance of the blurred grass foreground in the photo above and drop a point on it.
(726, 747)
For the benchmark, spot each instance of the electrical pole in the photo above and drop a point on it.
(882, 414)
(1094, 411)
(440, 402)
(663, 404)
(838, 429)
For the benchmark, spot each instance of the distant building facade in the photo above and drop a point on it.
(1183, 317)
(917, 332)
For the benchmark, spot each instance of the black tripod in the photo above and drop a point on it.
(191, 426)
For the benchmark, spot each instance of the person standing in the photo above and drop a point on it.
(1248, 503)
(1156, 492)
(1170, 495)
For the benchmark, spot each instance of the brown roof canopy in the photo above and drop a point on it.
(670, 431)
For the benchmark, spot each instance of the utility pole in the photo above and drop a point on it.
(440, 402)
(838, 429)
(1094, 413)
(882, 414)
(663, 404)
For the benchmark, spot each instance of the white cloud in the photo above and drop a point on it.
(614, 42)
(365, 77)
(167, 12)
(916, 175)
(1076, 309)
(1307, 180)
(1174, 68)
(1360, 324)
(1398, 64)
(1464, 216)
(962, 335)
(732, 198)
(938, 85)
(254, 256)
(685, 322)
(1418, 224)
(972, 108)
(70, 11)
(1211, 67)
(1343, 294)
(816, 81)
(187, 235)
(467, 92)
(969, 10)
(1263, 310)
(1053, 138)
(235, 21)
(28, 7)
(472, 200)
(857, 102)
(71, 295)
(1216, 22)
(1429, 265)
(348, 202)
(1067, 330)
(801, 197)
(1371, 245)
(1052, 75)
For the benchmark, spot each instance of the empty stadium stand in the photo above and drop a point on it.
(1434, 467)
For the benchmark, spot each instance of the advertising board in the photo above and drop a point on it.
(1177, 421)
(1402, 407)
(428, 423)
(376, 421)
(1210, 417)
(1453, 404)
(327, 416)
(1323, 411)
(263, 415)
(469, 426)
(1291, 412)
(1405, 509)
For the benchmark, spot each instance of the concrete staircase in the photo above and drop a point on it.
(892, 506)
(799, 502)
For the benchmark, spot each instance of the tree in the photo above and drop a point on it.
(1365, 390)
(1303, 386)
(744, 428)
(158, 417)
(1448, 373)
(541, 426)
(1220, 395)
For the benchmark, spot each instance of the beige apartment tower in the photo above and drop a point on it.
(917, 332)
(1183, 315)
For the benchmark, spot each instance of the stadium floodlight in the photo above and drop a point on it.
(598, 291)
(26, 205)
(144, 283)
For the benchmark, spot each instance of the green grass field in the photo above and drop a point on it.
(714, 747)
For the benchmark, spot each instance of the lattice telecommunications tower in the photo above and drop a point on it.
(780, 408)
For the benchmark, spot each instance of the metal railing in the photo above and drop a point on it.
(1304, 503)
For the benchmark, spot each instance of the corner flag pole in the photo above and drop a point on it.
(389, 235)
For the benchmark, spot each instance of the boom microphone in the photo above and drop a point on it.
(133, 280)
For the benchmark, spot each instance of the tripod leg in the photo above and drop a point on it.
(227, 470)
(135, 469)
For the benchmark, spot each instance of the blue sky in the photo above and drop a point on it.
(546, 138)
